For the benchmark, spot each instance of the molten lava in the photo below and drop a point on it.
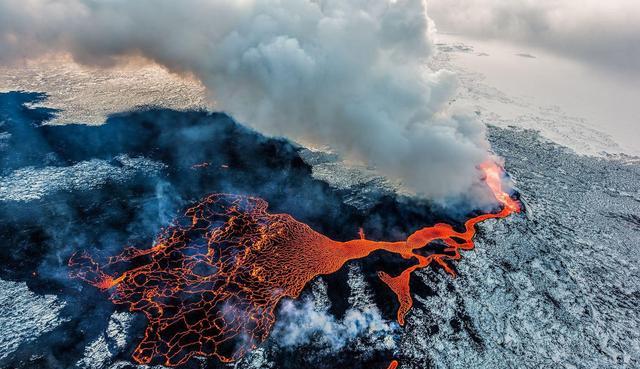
(210, 284)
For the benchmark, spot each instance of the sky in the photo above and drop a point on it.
(605, 33)
(587, 56)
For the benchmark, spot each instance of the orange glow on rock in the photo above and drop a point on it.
(211, 283)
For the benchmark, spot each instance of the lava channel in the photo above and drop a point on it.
(210, 284)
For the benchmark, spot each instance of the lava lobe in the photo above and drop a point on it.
(210, 284)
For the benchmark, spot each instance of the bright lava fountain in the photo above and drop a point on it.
(210, 284)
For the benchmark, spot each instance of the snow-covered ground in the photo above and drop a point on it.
(88, 94)
(24, 315)
(557, 288)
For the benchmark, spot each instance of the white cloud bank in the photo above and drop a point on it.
(603, 32)
(349, 74)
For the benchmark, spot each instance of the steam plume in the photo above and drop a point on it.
(300, 324)
(349, 74)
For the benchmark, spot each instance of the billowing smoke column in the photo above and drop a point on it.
(349, 74)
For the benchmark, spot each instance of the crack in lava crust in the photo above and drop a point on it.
(211, 282)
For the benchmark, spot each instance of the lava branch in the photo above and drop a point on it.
(211, 282)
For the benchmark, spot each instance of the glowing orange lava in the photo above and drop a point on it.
(393, 365)
(210, 284)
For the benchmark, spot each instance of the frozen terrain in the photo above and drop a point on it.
(88, 94)
(24, 316)
(559, 287)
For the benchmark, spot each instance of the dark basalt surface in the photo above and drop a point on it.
(556, 287)
(157, 156)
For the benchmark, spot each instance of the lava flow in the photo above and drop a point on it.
(393, 365)
(211, 282)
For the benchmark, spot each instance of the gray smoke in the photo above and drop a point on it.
(348, 74)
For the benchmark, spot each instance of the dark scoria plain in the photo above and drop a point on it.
(557, 287)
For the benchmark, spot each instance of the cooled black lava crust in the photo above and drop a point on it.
(39, 236)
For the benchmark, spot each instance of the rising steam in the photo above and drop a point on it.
(349, 74)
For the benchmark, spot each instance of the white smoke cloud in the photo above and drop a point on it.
(302, 323)
(606, 33)
(349, 74)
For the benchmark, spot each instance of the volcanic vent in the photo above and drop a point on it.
(211, 282)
